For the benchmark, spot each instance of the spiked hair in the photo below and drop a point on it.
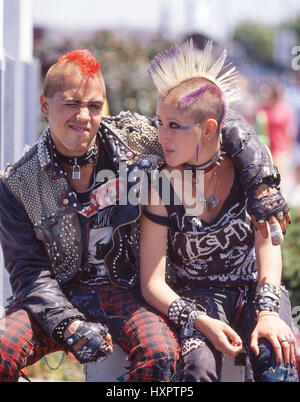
(82, 60)
(184, 62)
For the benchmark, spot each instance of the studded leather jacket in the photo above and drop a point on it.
(44, 232)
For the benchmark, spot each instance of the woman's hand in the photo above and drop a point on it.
(220, 334)
(271, 327)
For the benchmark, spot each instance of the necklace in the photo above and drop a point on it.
(77, 161)
(209, 165)
(213, 162)
(213, 200)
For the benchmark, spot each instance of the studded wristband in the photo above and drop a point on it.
(59, 330)
(183, 312)
(175, 309)
(267, 298)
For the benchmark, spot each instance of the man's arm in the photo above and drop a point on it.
(257, 175)
(29, 267)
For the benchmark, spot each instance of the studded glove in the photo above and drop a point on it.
(94, 334)
(252, 162)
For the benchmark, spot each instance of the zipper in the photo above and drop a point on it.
(113, 242)
(239, 305)
(117, 228)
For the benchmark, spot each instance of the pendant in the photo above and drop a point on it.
(76, 171)
(212, 202)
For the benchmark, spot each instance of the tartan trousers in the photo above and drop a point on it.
(152, 346)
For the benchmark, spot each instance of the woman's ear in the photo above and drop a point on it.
(211, 126)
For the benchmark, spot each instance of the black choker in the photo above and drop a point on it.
(88, 157)
(210, 164)
(78, 161)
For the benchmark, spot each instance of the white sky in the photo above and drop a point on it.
(215, 17)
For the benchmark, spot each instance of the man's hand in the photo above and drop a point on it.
(90, 342)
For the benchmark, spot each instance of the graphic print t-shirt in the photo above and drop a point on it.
(220, 253)
(99, 203)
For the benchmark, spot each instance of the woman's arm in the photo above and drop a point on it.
(155, 290)
(269, 325)
(153, 246)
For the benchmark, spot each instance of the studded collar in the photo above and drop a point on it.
(116, 148)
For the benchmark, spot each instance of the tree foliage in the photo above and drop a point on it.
(124, 58)
(257, 39)
(295, 26)
(124, 62)
(291, 258)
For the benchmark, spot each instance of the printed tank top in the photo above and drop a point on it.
(204, 254)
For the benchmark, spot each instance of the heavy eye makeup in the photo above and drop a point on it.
(173, 125)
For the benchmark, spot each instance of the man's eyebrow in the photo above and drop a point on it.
(100, 102)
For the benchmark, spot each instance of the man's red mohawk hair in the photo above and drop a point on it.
(85, 61)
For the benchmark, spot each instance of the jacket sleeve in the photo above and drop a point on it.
(29, 267)
(249, 154)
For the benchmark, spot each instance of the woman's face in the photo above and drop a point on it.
(178, 134)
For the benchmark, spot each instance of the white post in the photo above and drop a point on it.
(1, 137)
(19, 92)
(18, 43)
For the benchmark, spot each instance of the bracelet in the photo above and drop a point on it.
(269, 314)
(183, 312)
(188, 329)
(267, 298)
(268, 288)
(59, 330)
(176, 308)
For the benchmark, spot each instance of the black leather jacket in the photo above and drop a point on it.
(32, 251)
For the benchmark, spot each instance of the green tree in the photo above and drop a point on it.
(291, 258)
(124, 61)
(257, 39)
(295, 26)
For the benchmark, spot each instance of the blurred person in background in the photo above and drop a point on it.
(280, 126)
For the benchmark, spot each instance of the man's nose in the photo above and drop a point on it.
(83, 113)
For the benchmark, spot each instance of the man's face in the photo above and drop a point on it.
(74, 113)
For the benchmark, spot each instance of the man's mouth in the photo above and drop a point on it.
(80, 129)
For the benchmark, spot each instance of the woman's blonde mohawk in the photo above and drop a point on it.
(184, 62)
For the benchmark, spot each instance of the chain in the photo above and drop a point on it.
(59, 364)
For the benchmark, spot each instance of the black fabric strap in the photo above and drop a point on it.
(161, 220)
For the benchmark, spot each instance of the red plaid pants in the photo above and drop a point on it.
(152, 346)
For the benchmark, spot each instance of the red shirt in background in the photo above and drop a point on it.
(281, 126)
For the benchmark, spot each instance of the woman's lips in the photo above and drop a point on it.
(168, 151)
